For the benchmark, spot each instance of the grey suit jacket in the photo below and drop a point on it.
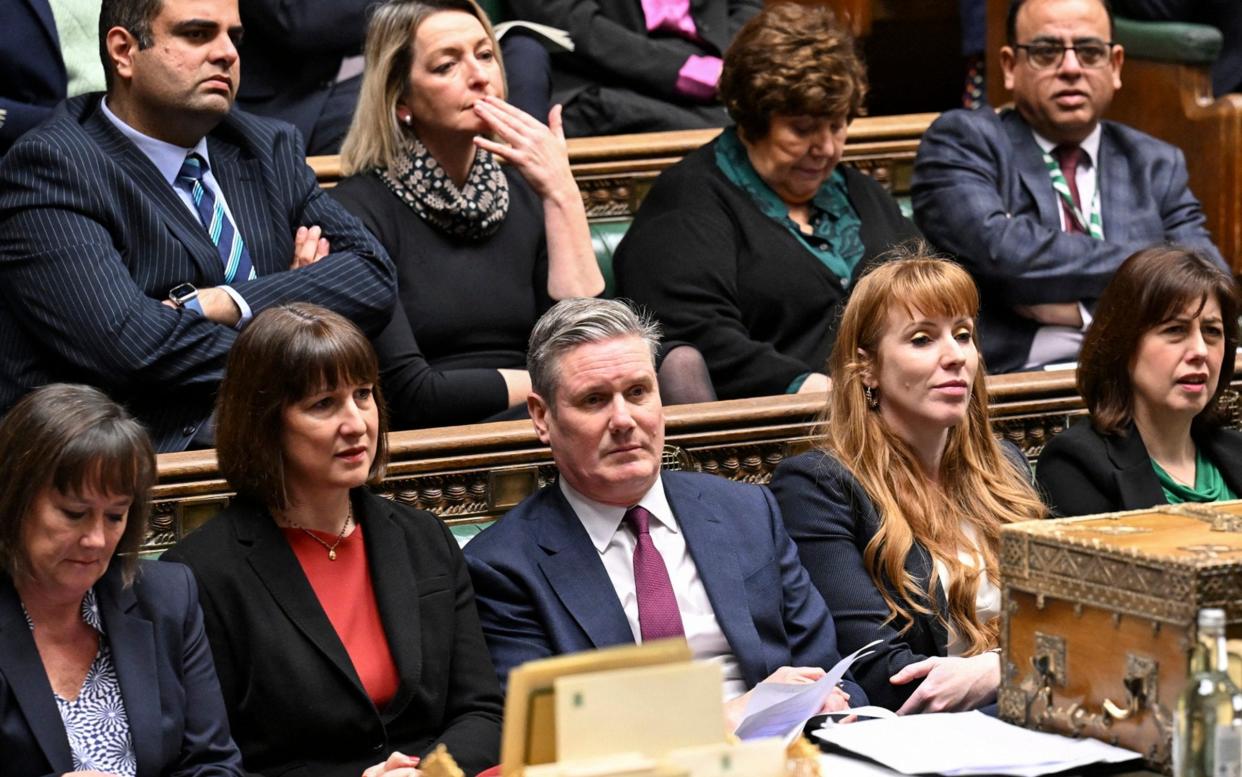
(92, 238)
(982, 193)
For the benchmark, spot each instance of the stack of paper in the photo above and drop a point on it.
(968, 743)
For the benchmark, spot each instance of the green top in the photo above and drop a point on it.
(1209, 485)
(836, 238)
(77, 26)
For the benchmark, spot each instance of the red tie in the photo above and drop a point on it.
(658, 616)
(1068, 157)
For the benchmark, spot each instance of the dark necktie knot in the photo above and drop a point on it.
(1069, 156)
(638, 519)
(193, 168)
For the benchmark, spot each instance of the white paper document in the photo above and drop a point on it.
(776, 709)
(968, 743)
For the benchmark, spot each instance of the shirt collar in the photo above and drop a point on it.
(603, 521)
(90, 612)
(166, 157)
(1090, 145)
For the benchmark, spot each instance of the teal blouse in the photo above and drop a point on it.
(1209, 485)
(835, 237)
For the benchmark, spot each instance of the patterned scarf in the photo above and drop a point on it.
(472, 213)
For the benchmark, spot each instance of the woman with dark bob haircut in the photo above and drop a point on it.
(1153, 367)
(103, 663)
(343, 624)
(748, 247)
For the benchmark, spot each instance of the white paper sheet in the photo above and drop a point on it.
(968, 743)
(776, 709)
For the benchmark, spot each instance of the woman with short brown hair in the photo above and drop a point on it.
(1154, 364)
(748, 247)
(343, 624)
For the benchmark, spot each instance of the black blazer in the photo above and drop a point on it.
(92, 238)
(294, 699)
(1082, 472)
(831, 519)
(723, 276)
(172, 698)
(32, 72)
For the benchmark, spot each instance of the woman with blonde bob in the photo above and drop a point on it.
(897, 515)
(481, 249)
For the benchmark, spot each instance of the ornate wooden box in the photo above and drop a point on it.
(1098, 618)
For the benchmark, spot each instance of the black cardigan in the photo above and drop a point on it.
(295, 703)
(469, 305)
(720, 274)
(1083, 472)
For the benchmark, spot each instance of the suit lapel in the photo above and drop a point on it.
(27, 680)
(396, 594)
(1224, 449)
(1136, 481)
(713, 548)
(278, 569)
(181, 222)
(238, 177)
(1117, 207)
(1028, 160)
(577, 575)
(132, 641)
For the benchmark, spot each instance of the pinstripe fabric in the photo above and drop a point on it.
(83, 267)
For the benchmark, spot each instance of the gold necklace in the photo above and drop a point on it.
(349, 518)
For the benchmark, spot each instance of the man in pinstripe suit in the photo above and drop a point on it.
(140, 229)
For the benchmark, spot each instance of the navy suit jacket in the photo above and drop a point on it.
(172, 698)
(982, 193)
(542, 589)
(32, 73)
(1083, 472)
(92, 238)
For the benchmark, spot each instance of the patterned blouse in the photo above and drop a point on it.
(95, 722)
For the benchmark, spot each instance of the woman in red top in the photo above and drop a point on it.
(343, 624)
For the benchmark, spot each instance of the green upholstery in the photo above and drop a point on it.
(465, 532)
(1191, 44)
(605, 235)
(497, 10)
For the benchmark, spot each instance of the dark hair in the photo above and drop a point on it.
(284, 355)
(794, 60)
(70, 437)
(1011, 20)
(1151, 287)
(133, 15)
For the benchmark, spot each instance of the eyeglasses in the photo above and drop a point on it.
(1044, 55)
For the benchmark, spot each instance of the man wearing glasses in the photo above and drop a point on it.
(1043, 202)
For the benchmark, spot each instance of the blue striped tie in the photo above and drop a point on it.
(220, 229)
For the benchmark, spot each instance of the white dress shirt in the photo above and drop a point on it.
(1061, 343)
(168, 159)
(615, 544)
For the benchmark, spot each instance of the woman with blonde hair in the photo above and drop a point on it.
(481, 249)
(897, 515)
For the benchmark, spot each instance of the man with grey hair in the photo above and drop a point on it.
(619, 552)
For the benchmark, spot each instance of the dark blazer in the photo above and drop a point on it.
(832, 519)
(720, 274)
(294, 699)
(172, 698)
(32, 73)
(982, 193)
(1083, 472)
(543, 591)
(291, 54)
(92, 238)
(612, 47)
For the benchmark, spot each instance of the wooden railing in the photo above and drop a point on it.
(472, 474)
(614, 172)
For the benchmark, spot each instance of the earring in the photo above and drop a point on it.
(872, 400)
(407, 119)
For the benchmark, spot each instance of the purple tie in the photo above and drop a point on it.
(1068, 157)
(658, 616)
